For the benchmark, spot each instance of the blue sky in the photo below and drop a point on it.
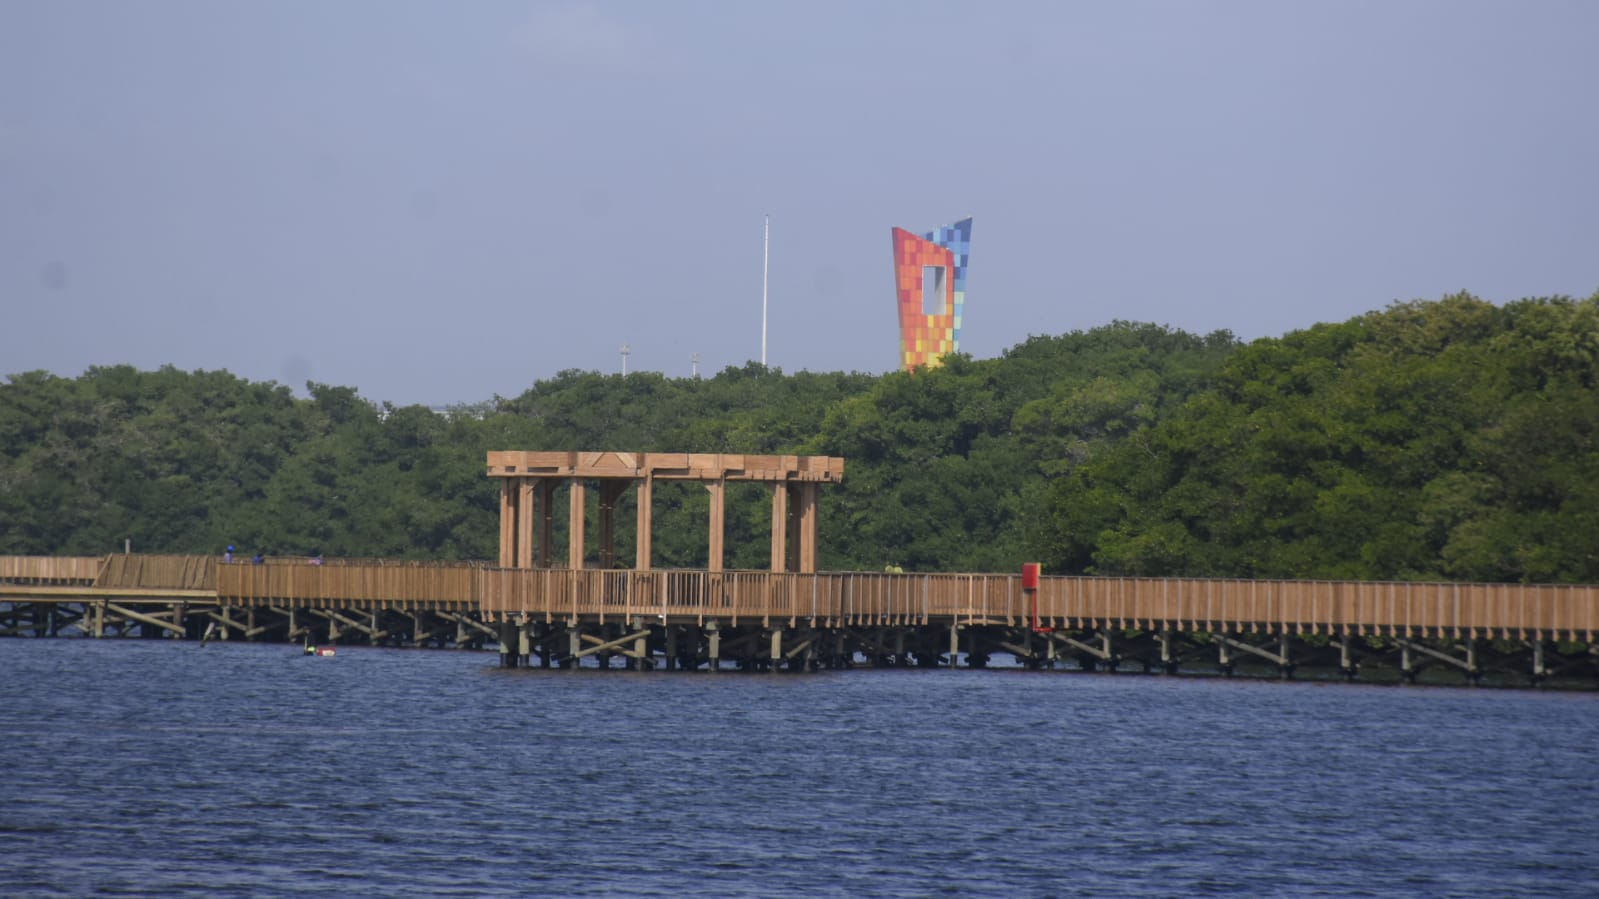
(441, 202)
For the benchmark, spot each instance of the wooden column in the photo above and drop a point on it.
(575, 525)
(544, 551)
(525, 523)
(607, 527)
(610, 492)
(795, 507)
(780, 526)
(808, 517)
(646, 535)
(507, 524)
(718, 489)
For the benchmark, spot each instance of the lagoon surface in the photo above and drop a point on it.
(163, 768)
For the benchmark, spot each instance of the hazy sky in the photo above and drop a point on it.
(440, 202)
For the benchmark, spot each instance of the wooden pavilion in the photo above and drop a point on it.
(527, 499)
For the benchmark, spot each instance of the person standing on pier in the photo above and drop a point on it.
(227, 557)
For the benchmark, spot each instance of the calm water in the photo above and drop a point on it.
(156, 768)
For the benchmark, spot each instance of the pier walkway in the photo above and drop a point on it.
(701, 619)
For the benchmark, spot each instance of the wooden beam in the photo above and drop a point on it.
(679, 466)
(801, 647)
(39, 593)
(606, 645)
(1275, 658)
(347, 621)
(144, 619)
(467, 621)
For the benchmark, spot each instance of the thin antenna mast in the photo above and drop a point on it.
(766, 267)
(625, 350)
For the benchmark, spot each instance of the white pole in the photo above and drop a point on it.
(766, 267)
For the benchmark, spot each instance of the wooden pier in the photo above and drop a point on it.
(760, 620)
(535, 612)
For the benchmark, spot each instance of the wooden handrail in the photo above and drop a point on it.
(1396, 609)
(50, 569)
(1378, 608)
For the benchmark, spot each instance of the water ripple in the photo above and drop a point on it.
(145, 768)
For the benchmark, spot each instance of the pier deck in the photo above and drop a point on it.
(678, 619)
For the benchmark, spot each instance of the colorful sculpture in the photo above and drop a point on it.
(930, 277)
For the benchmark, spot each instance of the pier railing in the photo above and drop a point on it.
(1509, 611)
(291, 584)
(46, 570)
(843, 599)
(1375, 608)
(175, 572)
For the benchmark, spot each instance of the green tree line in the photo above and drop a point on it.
(1447, 439)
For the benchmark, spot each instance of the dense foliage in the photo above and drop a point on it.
(1449, 439)
(1440, 440)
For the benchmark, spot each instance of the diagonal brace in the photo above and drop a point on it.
(613, 644)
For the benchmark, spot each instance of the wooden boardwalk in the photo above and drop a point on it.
(558, 617)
